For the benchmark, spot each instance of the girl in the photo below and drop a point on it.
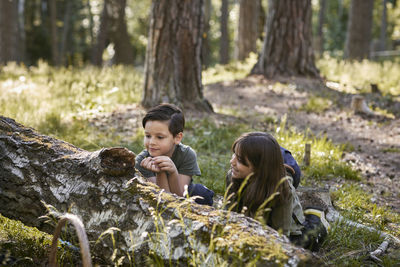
(260, 188)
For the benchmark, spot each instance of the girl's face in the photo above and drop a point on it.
(240, 167)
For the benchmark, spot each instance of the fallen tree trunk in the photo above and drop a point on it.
(93, 186)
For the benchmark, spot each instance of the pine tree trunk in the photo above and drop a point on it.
(319, 44)
(173, 56)
(382, 36)
(9, 36)
(120, 36)
(102, 35)
(92, 185)
(359, 29)
(248, 28)
(224, 40)
(53, 30)
(205, 48)
(287, 48)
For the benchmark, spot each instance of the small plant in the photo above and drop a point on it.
(316, 105)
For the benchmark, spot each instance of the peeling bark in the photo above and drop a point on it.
(95, 187)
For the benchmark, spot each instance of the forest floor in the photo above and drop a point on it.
(374, 139)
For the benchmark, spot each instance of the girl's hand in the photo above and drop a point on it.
(149, 164)
(166, 164)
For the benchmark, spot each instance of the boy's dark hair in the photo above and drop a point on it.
(166, 112)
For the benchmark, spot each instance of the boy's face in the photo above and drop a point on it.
(158, 140)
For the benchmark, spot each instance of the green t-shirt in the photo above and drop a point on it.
(184, 158)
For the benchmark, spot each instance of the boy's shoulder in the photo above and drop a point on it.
(184, 152)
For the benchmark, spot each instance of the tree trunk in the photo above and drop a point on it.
(53, 30)
(65, 32)
(248, 28)
(102, 35)
(120, 36)
(9, 41)
(319, 47)
(93, 186)
(287, 48)
(224, 41)
(173, 56)
(382, 36)
(359, 29)
(205, 48)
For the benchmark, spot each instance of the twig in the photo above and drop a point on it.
(83, 241)
(332, 216)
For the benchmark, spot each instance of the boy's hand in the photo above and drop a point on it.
(166, 164)
(149, 164)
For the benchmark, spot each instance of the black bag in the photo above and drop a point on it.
(202, 191)
(289, 160)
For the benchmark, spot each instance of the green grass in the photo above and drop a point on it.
(357, 77)
(27, 245)
(316, 104)
(34, 95)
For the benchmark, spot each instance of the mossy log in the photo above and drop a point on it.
(95, 187)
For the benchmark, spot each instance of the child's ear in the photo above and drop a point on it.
(178, 138)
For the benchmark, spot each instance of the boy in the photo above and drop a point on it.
(166, 161)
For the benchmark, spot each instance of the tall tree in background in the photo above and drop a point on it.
(102, 35)
(319, 44)
(287, 48)
(53, 29)
(119, 35)
(173, 60)
(382, 36)
(224, 40)
(9, 34)
(359, 29)
(205, 48)
(113, 29)
(249, 13)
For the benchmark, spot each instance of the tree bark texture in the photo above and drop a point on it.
(224, 40)
(120, 37)
(9, 36)
(248, 32)
(359, 29)
(53, 29)
(205, 47)
(173, 56)
(319, 44)
(102, 35)
(287, 48)
(382, 35)
(93, 186)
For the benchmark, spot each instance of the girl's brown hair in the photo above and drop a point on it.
(263, 152)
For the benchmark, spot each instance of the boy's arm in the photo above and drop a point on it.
(176, 181)
(162, 181)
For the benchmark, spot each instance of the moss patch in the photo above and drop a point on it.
(27, 245)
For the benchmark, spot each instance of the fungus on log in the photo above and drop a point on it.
(95, 187)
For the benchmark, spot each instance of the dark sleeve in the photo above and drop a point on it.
(189, 164)
(289, 160)
(146, 173)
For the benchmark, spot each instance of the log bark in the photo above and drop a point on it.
(95, 187)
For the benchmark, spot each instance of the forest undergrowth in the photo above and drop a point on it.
(94, 108)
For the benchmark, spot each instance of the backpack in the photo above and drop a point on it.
(294, 169)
